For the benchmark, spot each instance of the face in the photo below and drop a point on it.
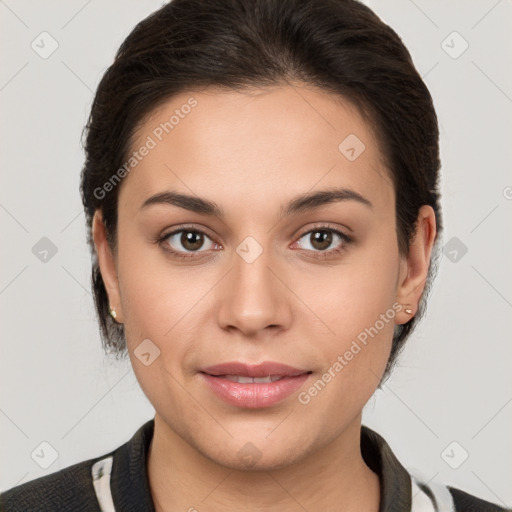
(249, 270)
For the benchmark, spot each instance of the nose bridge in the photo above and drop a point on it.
(253, 298)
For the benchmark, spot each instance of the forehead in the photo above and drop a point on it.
(259, 144)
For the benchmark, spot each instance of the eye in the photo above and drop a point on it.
(324, 240)
(185, 242)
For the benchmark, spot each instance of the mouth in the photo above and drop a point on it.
(253, 386)
(243, 379)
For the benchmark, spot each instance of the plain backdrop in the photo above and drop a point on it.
(447, 409)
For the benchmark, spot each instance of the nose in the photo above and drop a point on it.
(254, 297)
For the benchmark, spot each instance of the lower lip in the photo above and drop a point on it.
(254, 395)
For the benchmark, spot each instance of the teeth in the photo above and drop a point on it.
(262, 379)
(242, 379)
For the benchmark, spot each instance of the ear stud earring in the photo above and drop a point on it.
(112, 312)
(408, 311)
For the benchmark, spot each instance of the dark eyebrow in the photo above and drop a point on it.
(310, 201)
(192, 203)
(302, 203)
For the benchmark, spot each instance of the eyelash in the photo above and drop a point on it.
(346, 240)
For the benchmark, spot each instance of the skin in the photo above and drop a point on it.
(270, 146)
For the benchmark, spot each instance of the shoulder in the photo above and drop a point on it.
(407, 489)
(70, 488)
(119, 475)
(445, 497)
(469, 503)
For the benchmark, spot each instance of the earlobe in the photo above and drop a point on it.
(106, 262)
(415, 266)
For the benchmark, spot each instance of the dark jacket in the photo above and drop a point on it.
(121, 476)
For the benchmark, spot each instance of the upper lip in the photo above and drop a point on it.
(253, 370)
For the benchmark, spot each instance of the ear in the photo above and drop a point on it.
(414, 267)
(107, 264)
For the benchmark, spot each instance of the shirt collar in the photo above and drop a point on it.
(395, 481)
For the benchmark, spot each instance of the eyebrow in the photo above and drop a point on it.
(303, 203)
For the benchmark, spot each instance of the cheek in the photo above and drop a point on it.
(155, 293)
(167, 304)
(358, 308)
(358, 304)
(354, 295)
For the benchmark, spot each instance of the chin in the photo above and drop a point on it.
(258, 461)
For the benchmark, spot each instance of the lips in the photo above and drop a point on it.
(242, 379)
(253, 386)
(258, 370)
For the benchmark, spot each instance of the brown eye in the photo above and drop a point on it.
(321, 240)
(191, 240)
(186, 241)
(324, 241)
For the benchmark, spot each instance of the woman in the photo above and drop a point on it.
(261, 193)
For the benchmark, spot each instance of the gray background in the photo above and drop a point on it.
(453, 382)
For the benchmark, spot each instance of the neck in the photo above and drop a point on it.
(333, 478)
